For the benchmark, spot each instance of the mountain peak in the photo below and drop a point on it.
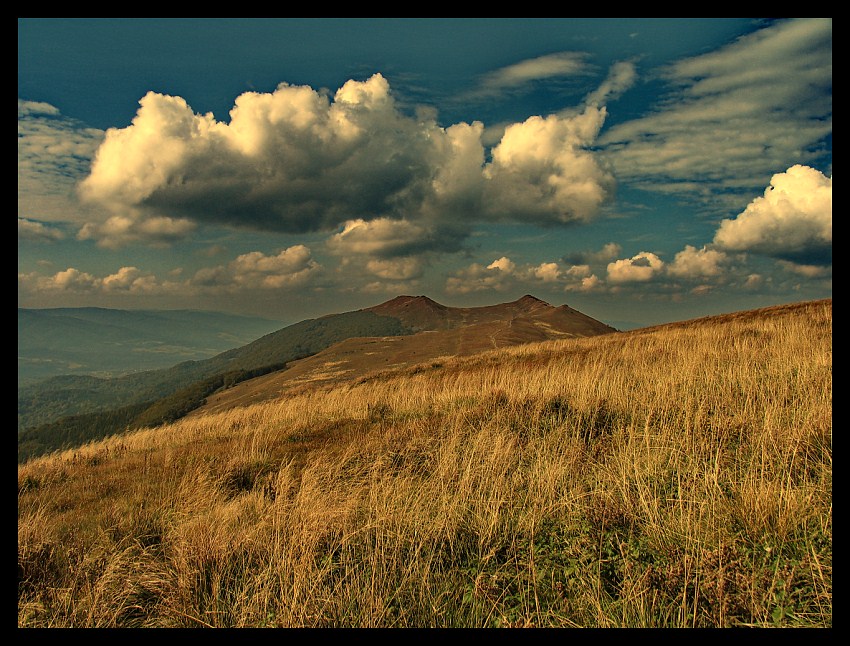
(407, 300)
(528, 298)
(529, 302)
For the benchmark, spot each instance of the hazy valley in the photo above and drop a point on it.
(101, 342)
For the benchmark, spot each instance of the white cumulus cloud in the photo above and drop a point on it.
(543, 172)
(476, 277)
(297, 160)
(697, 263)
(395, 268)
(641, 267)
(383, 237)
(127, 280)
(503, 264)
(291, 267)
(792, 221)
(120, 230)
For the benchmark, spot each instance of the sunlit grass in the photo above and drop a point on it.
(674, 477)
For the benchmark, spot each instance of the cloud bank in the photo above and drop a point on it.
(290, 268)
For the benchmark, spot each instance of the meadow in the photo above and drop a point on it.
(675, 476)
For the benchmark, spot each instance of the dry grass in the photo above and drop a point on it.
(673, 477)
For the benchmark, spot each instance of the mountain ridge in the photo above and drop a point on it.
(439, 331)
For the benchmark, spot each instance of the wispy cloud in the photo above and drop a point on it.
(54, 153)
(734, 116)
(621, 77)
(525, 73)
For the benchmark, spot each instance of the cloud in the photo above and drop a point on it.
(607, 253)
(36, 109)
(37, 231)
(548, 272)
(130, 279)
(504, 273)
(71, 280)
(733, 115)
(297, 160)
(396, 268)
(127, 280)
(291, 267)
(477, 277)
(54, 153)
(792, 221)
(697, 263)
(621, 77)
(542, 68)
(381, 237)
(544, 173)
(120, 230)
(808, 271)
(503, 264)
(589, 283)
(641, 267)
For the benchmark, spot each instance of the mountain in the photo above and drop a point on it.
(441, 331)
(399, 332)
(111, 342)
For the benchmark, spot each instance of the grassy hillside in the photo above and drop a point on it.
(678, 476)
(50, 400)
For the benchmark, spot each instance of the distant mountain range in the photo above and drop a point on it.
(62, 410)
(112, 342)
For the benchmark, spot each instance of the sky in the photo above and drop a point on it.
(641, 171)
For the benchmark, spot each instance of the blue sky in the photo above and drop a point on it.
(639, 170)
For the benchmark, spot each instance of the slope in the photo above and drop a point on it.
(442, 332)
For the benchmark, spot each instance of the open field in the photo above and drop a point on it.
(676, 476)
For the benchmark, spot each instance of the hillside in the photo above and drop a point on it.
(63, 411)
(678, 476)
(442, 332)
(105, 342)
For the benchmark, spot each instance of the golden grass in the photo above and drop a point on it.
(673, 477)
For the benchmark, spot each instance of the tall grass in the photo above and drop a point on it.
(673, 477)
